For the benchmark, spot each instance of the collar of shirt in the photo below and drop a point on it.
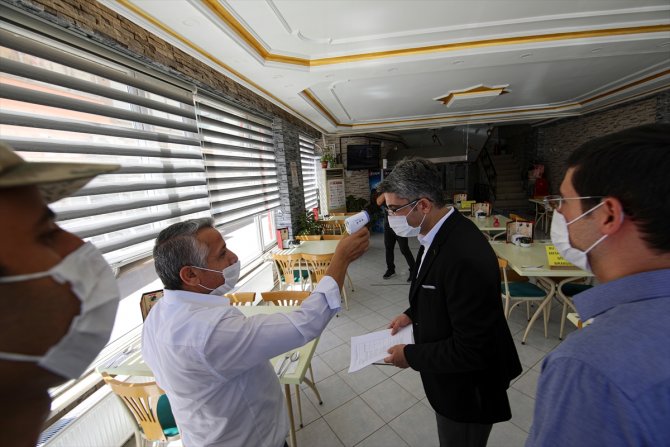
(194, 297)
(637, 287)
(428, 238)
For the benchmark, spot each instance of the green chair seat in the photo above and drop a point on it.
(165, 417)
(524, 289)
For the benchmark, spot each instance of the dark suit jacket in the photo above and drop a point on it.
(463, 347)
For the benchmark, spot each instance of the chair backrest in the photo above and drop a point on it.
(332, 237)
(481, 206)
(285, 297)
(148, 300)
(289, 265)
(309, 237)
(318, 264)
(517, 218)
(241, 298)
(459, 197)
(338, 214)
(142, 400)
(332, 226)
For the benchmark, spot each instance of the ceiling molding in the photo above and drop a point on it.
(240, 30)
(205, 54)
(575, 108)
(476, 92)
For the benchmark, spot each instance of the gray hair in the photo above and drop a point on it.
(176, 247)
(414, 179)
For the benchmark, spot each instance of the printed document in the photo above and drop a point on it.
(369, 348)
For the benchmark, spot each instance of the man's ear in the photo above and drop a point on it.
(189, 276)
(611, 216)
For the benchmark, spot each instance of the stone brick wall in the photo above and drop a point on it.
(663, 107)
(291, 194)
(556, 141)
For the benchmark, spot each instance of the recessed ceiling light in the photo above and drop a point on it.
(277, 77)
(525, 55)
(595, 50)
(190, 22)
(458, 61)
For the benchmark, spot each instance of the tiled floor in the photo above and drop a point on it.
(386, 406)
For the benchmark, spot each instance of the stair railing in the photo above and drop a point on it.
(486, 163)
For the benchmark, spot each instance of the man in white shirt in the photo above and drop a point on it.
(211, 360)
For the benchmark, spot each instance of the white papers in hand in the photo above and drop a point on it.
(369, 348)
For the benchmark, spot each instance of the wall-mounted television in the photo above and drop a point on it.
(363, 156)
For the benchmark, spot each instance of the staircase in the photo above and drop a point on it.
(510, 194)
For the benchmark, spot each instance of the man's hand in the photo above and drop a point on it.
(397, 357)
(398, 323)
(348, 249)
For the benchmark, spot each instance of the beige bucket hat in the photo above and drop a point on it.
(55, 180)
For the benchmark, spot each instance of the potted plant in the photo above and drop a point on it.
(309, 228)
(327, 160)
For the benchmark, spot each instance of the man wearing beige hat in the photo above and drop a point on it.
(57, 294)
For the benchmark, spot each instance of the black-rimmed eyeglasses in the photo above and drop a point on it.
(555, 202)
(392, 211)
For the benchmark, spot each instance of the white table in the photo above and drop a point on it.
(532, 262)
(312, 248)
(486, 226)
(133, 365)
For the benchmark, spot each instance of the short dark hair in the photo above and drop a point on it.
(633, 166)
(412, 179)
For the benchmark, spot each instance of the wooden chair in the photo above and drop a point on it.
(309, 237)
(565, 291)
(318, 264)
(333, 237)
(517, 218)
(290, 270)
(521, 291)
(148, 300)
(285, 297)
(241, 298)
(150, 408)
(332, 226)
(459, 197)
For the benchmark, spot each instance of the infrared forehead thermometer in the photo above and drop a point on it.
(356, 222)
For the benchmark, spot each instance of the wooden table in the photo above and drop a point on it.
(133, 365)
(312, 248)
(532, 262)
(486, 226)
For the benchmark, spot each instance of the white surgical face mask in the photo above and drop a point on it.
(230, 275)
(93, 282)
(402, 228)
(560, 237)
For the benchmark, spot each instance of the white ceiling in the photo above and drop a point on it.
(380, 65)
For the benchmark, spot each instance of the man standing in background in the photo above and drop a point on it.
(390, 238)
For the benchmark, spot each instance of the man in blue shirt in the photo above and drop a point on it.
(609, 383)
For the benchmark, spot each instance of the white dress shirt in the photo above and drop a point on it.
(212, 362)
(428, 238)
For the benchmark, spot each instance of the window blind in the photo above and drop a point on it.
(58, 103)
(309, 165)
(239, 159)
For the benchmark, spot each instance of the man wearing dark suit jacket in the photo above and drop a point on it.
(463, 347)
